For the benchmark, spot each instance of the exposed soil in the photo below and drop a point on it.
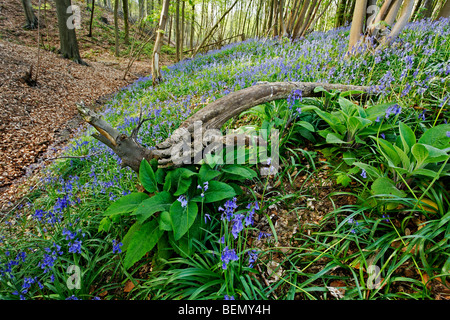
(37, 117)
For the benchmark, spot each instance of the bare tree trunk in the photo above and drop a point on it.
(92, 19)
(401, 23)
(32, 21)
(208, 35)
(125, 21)
(428, 6)
(356, 30)
(445, 10)
(182, 30)
(300, 18)
(116, 27)
(177, 30)
(340, 10)
(67, 36)
(308, 18)
(191, 42)
(156, 71)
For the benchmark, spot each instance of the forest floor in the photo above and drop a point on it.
(36, 120)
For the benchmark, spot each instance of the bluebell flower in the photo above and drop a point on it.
(116, 246)
(263, 235)
(207, 216)
(363, 173)
(72, 297)
(75, 247)
(237, 225)
(252, 258)
(183, 200)
(447, 134)
(228, 211)
(228, 255)
(227, 297)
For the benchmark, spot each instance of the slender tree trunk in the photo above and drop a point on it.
(393, 11)
(191, 42)
(301, 18)
(32, 21)
(208, 35)
(182, 30)
(307, 18)
(340, 10)
(170, 31)
(116, 27)
(141, 10)
(125, 21)
(445, 10)
(401, 22)
(356, 30)
(67, 36)
(92, 19)
(177, 30)
(428, 6)
(156, 72)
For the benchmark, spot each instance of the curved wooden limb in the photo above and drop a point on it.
(202, 130)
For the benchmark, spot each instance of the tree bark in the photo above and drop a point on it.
(300, 18)
(116, 27)
(67, 36)
(126, 22)
(156, 71)
(407, 9)
(32, 21)
(92, 19)
(356, 30)
(177, 30)
(212, 116)
(445, 10)
(208, 35)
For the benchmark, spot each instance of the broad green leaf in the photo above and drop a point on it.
(206, 173)
(105, 224)
(140, 239)
(436, 136)
(406, 163)
(165, 222)
(343, 179)
(370, 170)
(308, 126)
(182, 218)
(239, 172)
(159, 202)
(384, 185)
(147, 177)
(420, 152)
(348, 157)
(435, 154)
(126, 204)
(407, 136)
(334, 138)
(389, 152)
(378, 111)
(178, 181)
(218, 191)
(425, 172)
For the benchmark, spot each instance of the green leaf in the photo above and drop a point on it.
(182, 218)
(126, 204)
(218, 191)
(348, 157)
(237, 172)
(404, 158)
(407, 136)
(140, 239)
(206, 173)
(389, 152)
(425, 172)
(436, 136)
(334, 138)
(159, 202)
(343, 179)
(178, 181)
(165, 222)
(105, 224)
(308, 126)
(435, 154)
(147, 177)
(370, 170)
(386, 186)
(420, 152)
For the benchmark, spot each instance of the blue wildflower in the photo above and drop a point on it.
(183, 200)
(363, 173)
(228, 255)
(116, 246)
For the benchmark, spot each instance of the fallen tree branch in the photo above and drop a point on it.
(212, 116)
